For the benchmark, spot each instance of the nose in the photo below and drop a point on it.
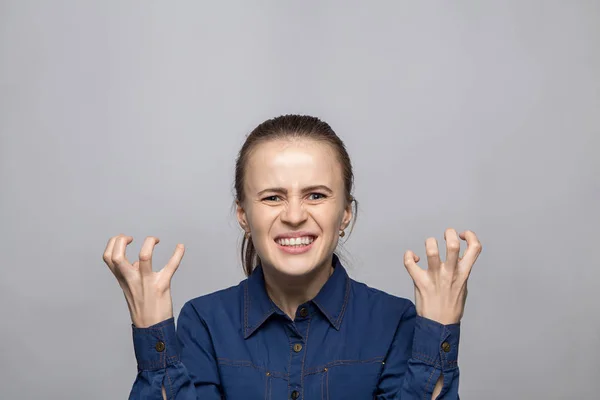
(294, 213)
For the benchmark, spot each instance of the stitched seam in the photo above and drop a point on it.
(244, 363)
(267, 315)
(304, 357)
(339, 320)
(334, 363)
(157, 364)
(149, 331)
(324, 311)
(248, 330)
(289, 362)
(267, 388)
(323, 386)
(170, 384)
(428, 383)
(327, 383)
(432, 361)
(274, 374)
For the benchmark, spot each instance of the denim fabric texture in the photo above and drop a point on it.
(350, 342)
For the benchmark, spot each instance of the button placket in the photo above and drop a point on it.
(297, 349)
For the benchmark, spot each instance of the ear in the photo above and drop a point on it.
(347, 215)
(241, 216)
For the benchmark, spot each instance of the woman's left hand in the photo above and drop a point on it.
(441, 289)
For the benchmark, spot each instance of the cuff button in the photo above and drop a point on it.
(446, 347)
(160, 346)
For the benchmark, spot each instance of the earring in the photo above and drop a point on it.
(342, 233)
(247, 235)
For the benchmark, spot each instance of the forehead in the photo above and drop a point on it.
(293, 162)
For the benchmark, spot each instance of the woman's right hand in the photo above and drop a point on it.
(148, 293)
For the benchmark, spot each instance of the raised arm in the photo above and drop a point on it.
(176, 365)
(427, 367)
(422, 368)
(160, 351)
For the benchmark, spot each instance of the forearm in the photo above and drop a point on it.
(427, 368)
(436, 390)
(165, 362)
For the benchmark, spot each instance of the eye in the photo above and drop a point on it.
(271, 198)
(316, 196)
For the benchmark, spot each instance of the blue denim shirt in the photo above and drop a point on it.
(350, 342)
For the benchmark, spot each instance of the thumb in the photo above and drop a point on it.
(410, 262)
(174, 261)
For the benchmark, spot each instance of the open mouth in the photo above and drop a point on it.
(296, 245)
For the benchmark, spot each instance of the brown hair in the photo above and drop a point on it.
(288, 127)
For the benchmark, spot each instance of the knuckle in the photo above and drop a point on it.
(431, 252)
(145, 255)
(118, 259)
(453, 245)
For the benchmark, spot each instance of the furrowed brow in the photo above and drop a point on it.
(309, 189)
(278, 190)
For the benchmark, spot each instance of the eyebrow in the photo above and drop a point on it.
(305, 190)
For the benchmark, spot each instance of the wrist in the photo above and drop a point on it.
(146, 319)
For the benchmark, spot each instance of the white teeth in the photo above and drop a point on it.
(301, 241)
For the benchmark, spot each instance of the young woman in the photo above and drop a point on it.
(298, 327)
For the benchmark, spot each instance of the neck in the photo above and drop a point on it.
(288, 293)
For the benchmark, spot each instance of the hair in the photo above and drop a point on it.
(289, 127)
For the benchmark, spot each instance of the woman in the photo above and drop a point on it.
(298, 327)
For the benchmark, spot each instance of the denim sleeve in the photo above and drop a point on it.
(422, 350)
(182, 361)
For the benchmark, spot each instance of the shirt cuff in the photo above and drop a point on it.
(436, 344)
(156, 347)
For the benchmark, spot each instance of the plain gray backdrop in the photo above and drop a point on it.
(126, 117)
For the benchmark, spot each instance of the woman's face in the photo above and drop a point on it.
(294, 204)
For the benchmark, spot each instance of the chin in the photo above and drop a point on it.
(294, 267)
(295, 261)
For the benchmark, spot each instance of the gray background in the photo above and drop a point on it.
(126, 116)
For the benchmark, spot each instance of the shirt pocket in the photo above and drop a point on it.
(244, 380)
(351, 379)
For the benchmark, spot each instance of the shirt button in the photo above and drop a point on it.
(295, 394)
(160, 346)
(303, 312)
(297, 347)
(446, 347)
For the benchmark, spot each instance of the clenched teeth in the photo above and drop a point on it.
(301, 241)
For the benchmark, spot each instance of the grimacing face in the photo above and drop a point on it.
(294, 205)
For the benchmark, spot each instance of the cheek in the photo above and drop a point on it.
(262, 218)
(329, 218)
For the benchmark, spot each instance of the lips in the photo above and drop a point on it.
(297, 245)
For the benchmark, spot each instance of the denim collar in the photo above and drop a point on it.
(331, 300)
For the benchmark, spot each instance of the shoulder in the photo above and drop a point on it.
(212, 305)
(380, 302)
